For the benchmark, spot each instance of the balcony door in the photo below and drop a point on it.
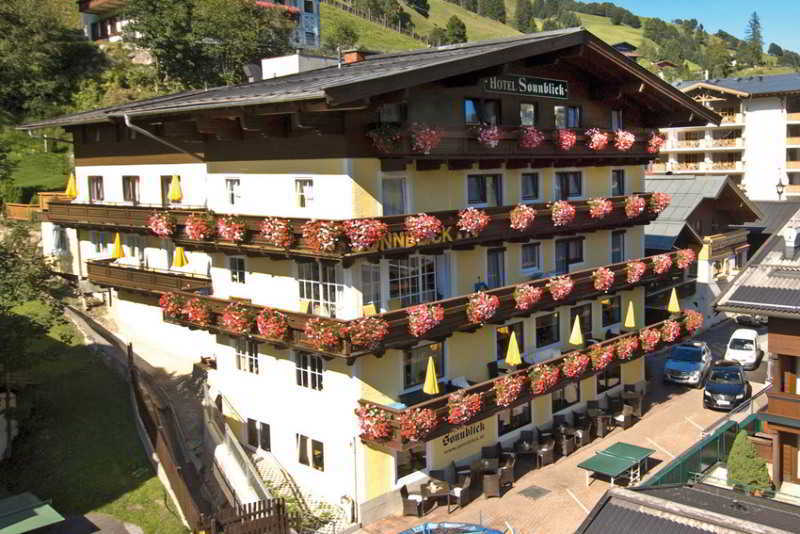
(96, 189)
(130, 189)
(393, 196)
(495, 268)
(568, 251)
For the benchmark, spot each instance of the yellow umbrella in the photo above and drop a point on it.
(72, 188)
(431, 386)
(175, 194)
(118, 251)
(179, 258)
(630, 319)
(673, 306)
(512, 354)
(576, 337)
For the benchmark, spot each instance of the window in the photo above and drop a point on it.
(303, 193)
(319, 285)
(532, 257)
(568, 116)
(310, 452)
(514, 418)
(503, 338)
(584, 311)
(166, 183)
(530, 186)
(568, 185)
(237, 268)
(389, 113)
(393, 196)
(609, 378)
(232, 190)
(566, 397)
(60, 246)
(617, 182)
(411, 461)
(96, 189)
(527, 114)
(477, 111)
(415, 363)
(568, 252)
(247, 356)
(99, 241)
(130, 189)
(133, 243)
(258, 435)
(308, 6)
(485, 190)
(371, 285)
(616, 119)
(741, 258)
(309, 370)
(618, 246)
(311, 38)
(495, 267)
(547, 330)
(413, 279)
(612, 310)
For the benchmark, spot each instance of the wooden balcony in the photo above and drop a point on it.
(104, 273)
(455, 316)
(793, 116)
(486, 389)
(793, 164)
(724, 166)
(793, 141)
(731, 118)
(100, 7)
(128, 218)
(792, 189)
(720, 245)
(731, 142)
(784, 404)
(21, 212)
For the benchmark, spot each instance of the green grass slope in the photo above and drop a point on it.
(478, 28)
(370, 35)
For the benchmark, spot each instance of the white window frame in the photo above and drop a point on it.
(420, 276)
(538, 196)
(309, 451)
(137, 181)
(305, 373)
(243, 271)
(259, 424)
(487, 173)
(375, 286)
(611, 245)
(556, 172)
(90, 181)
(60, 245)
(247, 360)
(302, 200)
(322, 306)
(530, 270)
(233, 191)
(442, 372)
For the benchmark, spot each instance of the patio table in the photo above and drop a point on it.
(617, 460)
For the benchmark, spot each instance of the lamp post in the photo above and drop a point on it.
(779, 188)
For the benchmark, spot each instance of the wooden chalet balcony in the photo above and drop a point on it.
(455, 315)
(134, 219)
(724, 166)
(732, 142)
(21, 212)
(104, 273)
(793, 140)
(793, 116)
(783, 404)
(731, 118)
(723, 244)
(99, 7)
(793, 189)
(439, 404)
(793, 164)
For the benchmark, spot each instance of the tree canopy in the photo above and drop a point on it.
(523, 16)
(343, 36)
(456, 30)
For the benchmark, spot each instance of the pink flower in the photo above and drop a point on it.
(367, 331)
(172, 304)
(473, 221)
(481, 307)
(649, 338)
(655, 143)
(463, 407)
(543, 378)
(423, 227)
(627, 346)
(199, 226)
(599, 207)
(507, 389)
(272, 324)
(661, 263)
(560, 287)
(530, 137)
(385, 137)
(659, 202)
(596, 140)
(321, 235)
(562, 212)
(565, 139)
(693, 321)
(522, 217)
(425, 138)
(601, 356)
(670, 331)
(237, 318)
(197, 312)
(575, 364)
(603, 279)
(277, 232)
(526, 295)
(685, 258)
(322, 334)
(623, 140)
(417, 423)
(364, 233)
(634, 206)
(162, 224)
(423, 317)
(375, 423)
(489, 135)
(231, 228)
(635, 270)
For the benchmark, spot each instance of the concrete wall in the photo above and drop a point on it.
(765, 146)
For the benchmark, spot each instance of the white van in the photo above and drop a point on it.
(743, 347)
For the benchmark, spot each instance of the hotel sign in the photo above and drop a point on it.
(514, 84)
(466, 437)
(395, 240)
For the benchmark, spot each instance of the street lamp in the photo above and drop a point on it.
(779, 188)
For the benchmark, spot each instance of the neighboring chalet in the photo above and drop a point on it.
(770, 286)
(775, 214)
(702, 215)
(249, 187)
(627, 49)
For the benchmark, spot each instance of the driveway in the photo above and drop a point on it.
(555, 499)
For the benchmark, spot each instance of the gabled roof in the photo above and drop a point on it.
(376, 75)
(775, 214)
(687, 192)
(749, 85)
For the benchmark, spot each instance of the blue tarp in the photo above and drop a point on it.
(450, 528)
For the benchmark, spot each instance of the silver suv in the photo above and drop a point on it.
(688, 363)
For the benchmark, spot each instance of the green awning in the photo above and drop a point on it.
(26, 512)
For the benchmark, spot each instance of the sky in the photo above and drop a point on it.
(779, 18)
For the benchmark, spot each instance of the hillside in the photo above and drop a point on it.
(370, 35)
(478, 28)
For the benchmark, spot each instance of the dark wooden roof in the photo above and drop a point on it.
(751, 85)
(381, 74)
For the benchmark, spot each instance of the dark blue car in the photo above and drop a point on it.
(726, 386)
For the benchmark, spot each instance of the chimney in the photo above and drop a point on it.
(790, 235)
(353, 55)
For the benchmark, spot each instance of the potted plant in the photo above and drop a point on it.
(670, 331)
(322, 334)
(364, 234)
(649, 338)
(367, 332)
(693, 320)
(481, 307)
(425, 138)
(423, 317)
(277, 232)
(603, 279)
(162, 224)
(601, 356)
(522, 217)
(627, 346)
(655, 143)
(385, 137)
(659, 202)
(562, 212)
(375, 423)
(560, 286)
(530, 137)
(565, 139)
(661, 263)
(543, 378)
(417, 423)
(197, 312)
(172, 304)
(473, 221)
(462, 407)
(489, 135)
(507, 389)
(575, 364)
(599, 207)
(526, 295)
(237, 318)
(685, 258)
(634, 271)
(230, 228)
(200, 226)
(623, 140)
(321, 235)
(634, 206)
(272, 324)
(423, 227)
(596, 139)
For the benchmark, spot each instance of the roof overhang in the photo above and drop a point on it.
(711, 86)
(755, 211)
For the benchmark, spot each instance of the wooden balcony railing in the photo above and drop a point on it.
(784, 404)
(688, 166)
(793, 116)
(724, 166)
(21, 212)
(46, 198)
(731, 118)
(104, 273)
(439, 404)
(135, 219)
(690, 143)
(793, 189)
(793, 140)
(455, 316)
(793, 164)
(735, 142)
(723, 244)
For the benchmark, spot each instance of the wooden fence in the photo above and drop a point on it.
(260, 517)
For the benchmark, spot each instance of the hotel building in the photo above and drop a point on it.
(345, 143)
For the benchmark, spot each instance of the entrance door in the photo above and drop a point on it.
(789, 456)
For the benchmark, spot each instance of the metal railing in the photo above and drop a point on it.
(751, 407)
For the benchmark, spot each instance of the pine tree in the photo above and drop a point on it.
(470, 5)
(774, 50)
(537, 9)
(523, 13)
(755, 39)
(456, 30)
(549, 24)
(494, 9)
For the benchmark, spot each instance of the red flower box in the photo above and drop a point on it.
(659, 202)
(417, 423)
(374, 423)
(634, 206)
(423, 317)
(560, 287)
(626, 347)
(237, 318)
(321, 235)
(522, 217)
(543, 378)
(277, 232)
(603, 279)
(596, 140)
(507, 389)
(231, 228)
(602, 356)
(367, 332)
(565, 139)
(162, 224)
(661, 263)
(489, 135)
(364, 233)
(575, 364)
(599, 207)
(649, 338)
(463, 407)
(685, 258)
(385, 137)
(634, 271)
(425, 138)
(172, 304)
(623, 140)
(322, 334)
(481, 307)
(423, 227)
(200, 226)
(473, 221)
(197, 312)
(530, 137)
(693, 321)
(670, 331)
(562, 212)
(655, 143)
(526, 295)
(272, 324)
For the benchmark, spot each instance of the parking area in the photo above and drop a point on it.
(555, 499)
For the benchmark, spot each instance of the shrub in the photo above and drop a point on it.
(745, 466)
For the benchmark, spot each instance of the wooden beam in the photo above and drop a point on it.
(459, 164)
(429, 164)
(485, 164)
(220, 128)
(393, 164)
(518, 163)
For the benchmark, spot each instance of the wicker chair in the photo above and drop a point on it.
(625, 418)
(546, 448)
(507, 472)
(491, 485)
(525, 445)
(414, 503)
(460, 493)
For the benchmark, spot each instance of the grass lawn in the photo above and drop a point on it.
(478, 28)
(79, 446)
(370, 35)
(44, 170)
